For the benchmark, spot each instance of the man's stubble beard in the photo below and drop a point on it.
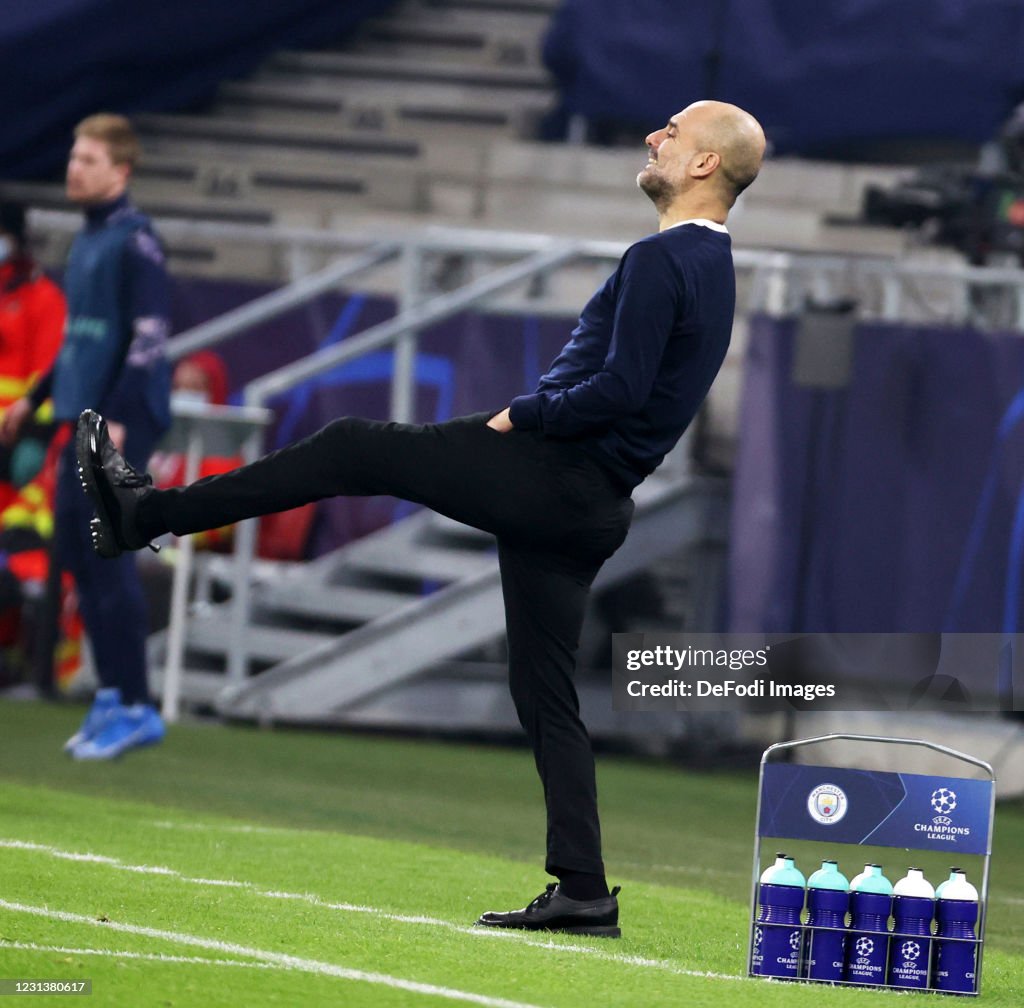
(656, 188)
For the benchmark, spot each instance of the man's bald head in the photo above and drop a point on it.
(735, 135)
(702, 159)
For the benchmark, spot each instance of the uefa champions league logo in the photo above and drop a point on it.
(794, 941)
(864, 947)
(943, 801)
(942, 828)
(827, 804)
(758, 936)
(910, 950)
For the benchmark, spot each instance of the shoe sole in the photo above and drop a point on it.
(594, 931)
(87, 449)
(116, 752)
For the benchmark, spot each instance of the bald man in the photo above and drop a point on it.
(550, 475)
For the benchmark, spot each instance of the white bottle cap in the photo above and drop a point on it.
(958, 888)
(857, 878)
(914, 884)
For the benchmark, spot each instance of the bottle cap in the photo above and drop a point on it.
(872, 881)
(780, 863)
(956, 887)
(788, 875)
(828, 876)
(914, 884)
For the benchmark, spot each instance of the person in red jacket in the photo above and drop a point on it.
(203, 377)
(32, 311)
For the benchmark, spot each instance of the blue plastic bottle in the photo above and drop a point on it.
(913, 907)
(868, 941)
(777, 933)
(957, 913)
(828, 898)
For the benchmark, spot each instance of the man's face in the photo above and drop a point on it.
(670, 151)
(92, 177)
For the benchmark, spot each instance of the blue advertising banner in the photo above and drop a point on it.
(840, 805)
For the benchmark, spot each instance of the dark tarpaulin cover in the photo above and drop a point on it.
(65, 59)
(886, 506)
(817, 75)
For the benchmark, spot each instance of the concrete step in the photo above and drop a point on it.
(430, 563)
(424, 111)
(473, 39)
(206, 183)
(342, 604)
(313, 65)
(239, 135)
(264, 643)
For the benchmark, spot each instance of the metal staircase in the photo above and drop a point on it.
(354, 637)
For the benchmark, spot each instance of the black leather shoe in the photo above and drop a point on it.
(113, 487)
(551, 911)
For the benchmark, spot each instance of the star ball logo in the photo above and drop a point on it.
(794, 940)
(864, 947)
(910, 950)
(942, 828)
(827, 804)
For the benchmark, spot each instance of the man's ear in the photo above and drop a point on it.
(704, 164)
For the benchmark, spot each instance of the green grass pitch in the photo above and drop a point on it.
(233, 866)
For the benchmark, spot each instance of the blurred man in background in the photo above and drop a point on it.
(112, 358)
(551, 475)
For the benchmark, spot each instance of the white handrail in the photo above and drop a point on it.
(387, 333)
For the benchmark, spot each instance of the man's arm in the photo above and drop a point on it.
(148, 307)
(645, 314)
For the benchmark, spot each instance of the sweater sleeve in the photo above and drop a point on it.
(647, 305)
(139, 383)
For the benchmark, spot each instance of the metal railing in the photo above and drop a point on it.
(885, 288)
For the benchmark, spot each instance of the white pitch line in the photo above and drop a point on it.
(125, 954)
(521, 937)
(278, 959)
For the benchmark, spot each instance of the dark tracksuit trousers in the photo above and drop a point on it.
(110, 594)
(557, 515)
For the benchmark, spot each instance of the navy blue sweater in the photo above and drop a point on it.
(646, 350)
(113, 357)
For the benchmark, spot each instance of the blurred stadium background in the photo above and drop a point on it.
(395, 209)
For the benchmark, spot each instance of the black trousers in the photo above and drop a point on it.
(557, 515)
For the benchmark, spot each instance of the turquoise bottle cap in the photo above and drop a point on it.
(780, 863)
(788, 875)
(828, 876)
(873, 881)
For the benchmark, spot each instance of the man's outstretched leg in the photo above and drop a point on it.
(506, 484)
